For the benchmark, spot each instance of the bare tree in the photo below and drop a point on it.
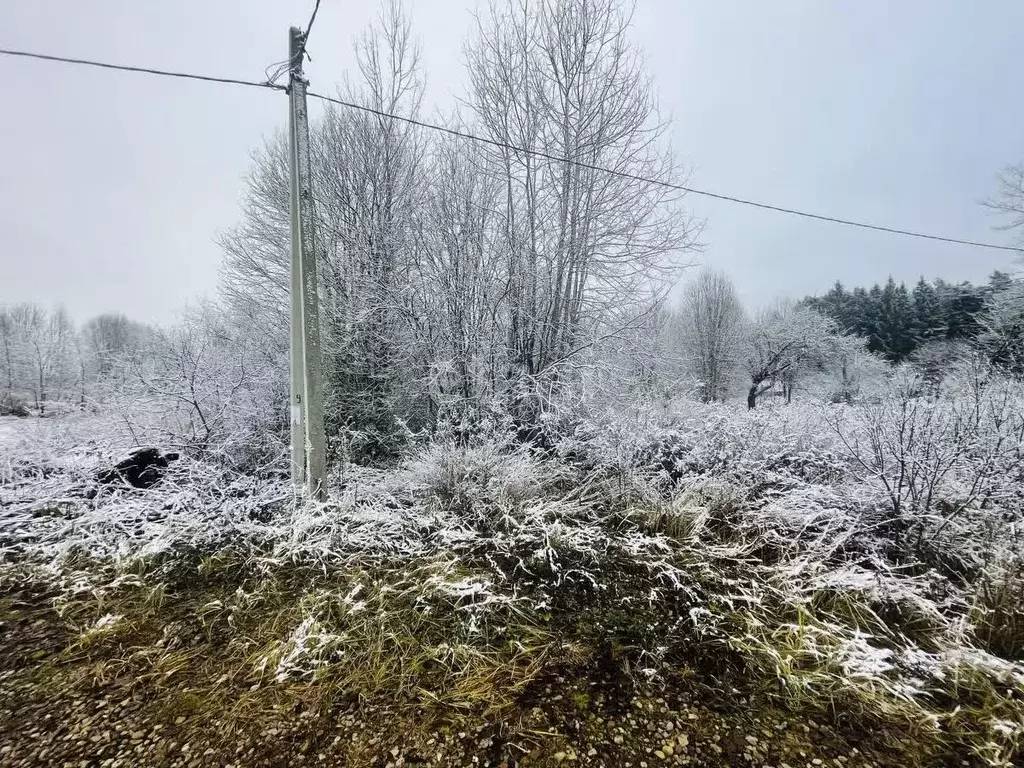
(8, 340)
(368, 188)
(1008, 201)
(106, 347)
(584, 248)
(255, 277)
(784, 341)
(711, 326)
(48, 342)
(1002, 335)
(371, 188)
(459, 285)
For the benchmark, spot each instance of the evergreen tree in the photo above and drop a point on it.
(999, 282)
(963, 305)
(860, 311)
(928, 318)
(872, 320)
(896, 322)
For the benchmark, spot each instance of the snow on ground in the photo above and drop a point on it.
(12, 430)
(747, 535)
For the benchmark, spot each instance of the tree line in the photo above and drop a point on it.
(897, 322)
(47, 361)
(463, 282)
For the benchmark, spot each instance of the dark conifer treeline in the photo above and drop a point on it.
(897, 321)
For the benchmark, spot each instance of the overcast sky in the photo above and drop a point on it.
(114, 186)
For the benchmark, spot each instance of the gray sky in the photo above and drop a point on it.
(114, 186)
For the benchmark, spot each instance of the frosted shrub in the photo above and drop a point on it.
(468, 478)
(936, 457)
(696, 440)
(209, 389)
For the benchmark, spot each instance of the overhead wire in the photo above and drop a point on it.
(141, 70)
(660, 182)
(271, 85)
(279, 68)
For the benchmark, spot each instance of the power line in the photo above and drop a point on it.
(279, 68)
(522, 150)
(142, 70)
(669, 185)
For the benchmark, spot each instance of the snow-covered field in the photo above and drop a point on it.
(856, 559)
(10, 431)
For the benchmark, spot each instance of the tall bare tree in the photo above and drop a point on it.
(460, 284)
(1008, 201)
(584, 248)
(47, 346)
(370, 189)
(366, 172)
(711, 326)
(8, 342)
(255, 273)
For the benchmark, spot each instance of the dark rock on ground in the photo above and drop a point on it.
(142, 468)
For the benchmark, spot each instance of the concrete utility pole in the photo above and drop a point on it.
(307, 409)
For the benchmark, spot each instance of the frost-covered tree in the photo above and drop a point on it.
(8, 344)
(854, 372)
(584, 249)
(110, 339)
(43, 356)
(784, 341)
(1008, 202)
(710, 323)
(459, 283)
(15, 356)
(1003, 323)
(370, 187)
(928, 318)
(367, 181)
(896, 333)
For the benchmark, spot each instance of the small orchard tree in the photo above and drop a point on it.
(1002, 336)
(783, 342)
(937, 357)
(854, 371)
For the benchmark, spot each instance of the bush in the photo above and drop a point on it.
(470, 480)
(12, 405)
